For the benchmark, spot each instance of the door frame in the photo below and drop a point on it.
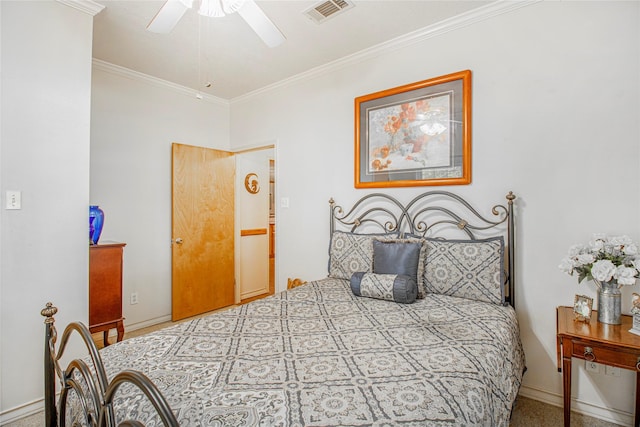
(247, 149)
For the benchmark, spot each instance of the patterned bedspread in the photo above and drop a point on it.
(319, 356)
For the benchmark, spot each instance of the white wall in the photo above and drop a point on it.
(44, 153)
(555, 119)
(134, 121)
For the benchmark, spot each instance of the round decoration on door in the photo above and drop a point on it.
(251, 183)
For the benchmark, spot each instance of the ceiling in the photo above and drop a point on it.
(228, 54)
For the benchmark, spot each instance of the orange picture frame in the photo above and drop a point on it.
(416, 134)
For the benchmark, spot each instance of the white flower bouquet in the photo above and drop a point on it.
(604, 259)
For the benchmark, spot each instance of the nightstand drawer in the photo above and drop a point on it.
(607, 355)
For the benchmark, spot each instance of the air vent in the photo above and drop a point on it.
(327, 9)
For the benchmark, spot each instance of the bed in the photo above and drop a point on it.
(413, 347)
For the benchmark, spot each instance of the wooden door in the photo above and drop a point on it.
(202, 230)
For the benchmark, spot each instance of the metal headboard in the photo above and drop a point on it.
(434, 214)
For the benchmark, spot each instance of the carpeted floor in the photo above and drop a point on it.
(532, 413)
(527, 413)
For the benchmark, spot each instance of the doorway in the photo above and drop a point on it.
(223, 228)
(255, 219)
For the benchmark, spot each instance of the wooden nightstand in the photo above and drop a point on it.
(610, 345)
(105, 289)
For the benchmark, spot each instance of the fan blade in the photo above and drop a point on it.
(261, 24)
(169, 15)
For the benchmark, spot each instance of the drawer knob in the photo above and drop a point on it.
(638, 364)
(589, 356)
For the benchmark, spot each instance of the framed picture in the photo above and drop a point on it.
(417, 134)
(582, 306)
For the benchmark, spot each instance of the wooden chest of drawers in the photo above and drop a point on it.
(105, 289)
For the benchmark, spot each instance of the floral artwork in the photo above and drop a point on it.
(604, 259)
(416, 134)
(411, 135)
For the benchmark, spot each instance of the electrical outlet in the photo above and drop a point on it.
(592, 367)
(134, 298)
(612, 371)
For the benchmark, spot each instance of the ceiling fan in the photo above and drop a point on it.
(171, 12)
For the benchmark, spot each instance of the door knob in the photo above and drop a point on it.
(179, 241)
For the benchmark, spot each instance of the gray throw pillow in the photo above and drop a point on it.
(404, 256)
(391, 287)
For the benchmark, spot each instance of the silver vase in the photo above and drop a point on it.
(609, 302)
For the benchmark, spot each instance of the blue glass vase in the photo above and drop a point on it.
(96, 221)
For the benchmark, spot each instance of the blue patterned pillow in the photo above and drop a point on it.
(392, 287)
(350, 252)
(472, 269)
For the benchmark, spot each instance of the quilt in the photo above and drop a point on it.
(317, 355)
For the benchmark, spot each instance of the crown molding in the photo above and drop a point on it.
(136, 75)
(482, 13)
(86, 6)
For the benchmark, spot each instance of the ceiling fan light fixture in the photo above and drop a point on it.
(219, 8)
(173, 10)
(211, 8)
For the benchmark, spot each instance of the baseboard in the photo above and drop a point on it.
(22, 411)
(252, 294)
(135, 326)
(581, 407)
(148, 323)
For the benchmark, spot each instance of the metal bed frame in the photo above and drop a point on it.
(89, 383)
(422, 217)
(427, 214)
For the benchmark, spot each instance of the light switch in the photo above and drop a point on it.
(14, 200)
(284, 202)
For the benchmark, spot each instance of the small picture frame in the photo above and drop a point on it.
(582, 306)
(635, 326)
(635, 311)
